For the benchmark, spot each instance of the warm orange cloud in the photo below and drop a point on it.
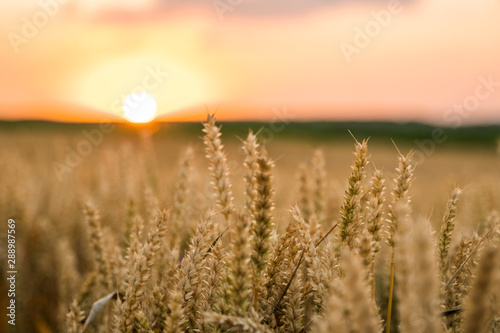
(416, 65)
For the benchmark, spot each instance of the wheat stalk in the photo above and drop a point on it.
(218, 167)
(375, 215)
(250, 148)
(96, 238)
(477, 309)
(240, 278)
(418, 283)
(350, 219)
(400, 196)
(192, 272)
(349, 307)
(262, 224)
(447, 228)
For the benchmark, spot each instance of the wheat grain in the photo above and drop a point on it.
(240, 278)
(447, 228)
(234, 323)
(399, 194)
(420, 311)
(176, 319)
(192, 272)
(218, 167)
(350, 219)
(350, 308)
(215, 265)
(250, 148)
(459, 288)
(375, 215)
(477, 309)
(74, 318)
(95, 229)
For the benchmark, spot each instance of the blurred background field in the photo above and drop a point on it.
(469, 157)
(136, 168)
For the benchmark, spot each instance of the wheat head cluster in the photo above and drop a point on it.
(378, 267)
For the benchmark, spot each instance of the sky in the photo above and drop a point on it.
(432, 61)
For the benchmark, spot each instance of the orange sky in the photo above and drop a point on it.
(261, 57)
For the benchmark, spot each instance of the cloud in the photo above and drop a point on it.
(97, 6)
(259, 8)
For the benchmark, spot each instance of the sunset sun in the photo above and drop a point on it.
(139, 108)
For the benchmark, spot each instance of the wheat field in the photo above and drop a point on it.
(209, 233)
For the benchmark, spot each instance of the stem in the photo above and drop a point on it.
(256, 286)
(391, 292)
(229, 235)
(373, 279)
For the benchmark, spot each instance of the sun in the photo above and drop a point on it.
(139, 108)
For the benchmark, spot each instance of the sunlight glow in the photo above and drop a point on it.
(139, 108)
